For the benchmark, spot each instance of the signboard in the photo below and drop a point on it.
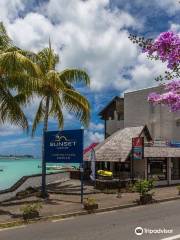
(138, 148)
(174, 143)
(63, 146)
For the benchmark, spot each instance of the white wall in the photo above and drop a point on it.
(160, 121)
(113, 126)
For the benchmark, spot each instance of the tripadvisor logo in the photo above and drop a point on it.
(62, 141)
(139, 231)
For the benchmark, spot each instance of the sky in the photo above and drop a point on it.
(91, 35)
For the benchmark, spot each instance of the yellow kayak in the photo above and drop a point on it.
(104, 173)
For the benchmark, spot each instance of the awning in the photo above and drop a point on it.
(161, 152)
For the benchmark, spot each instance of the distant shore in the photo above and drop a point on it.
(15, 157)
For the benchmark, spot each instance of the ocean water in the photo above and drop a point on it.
(13, 170)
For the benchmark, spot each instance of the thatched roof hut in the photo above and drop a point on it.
(118, 146)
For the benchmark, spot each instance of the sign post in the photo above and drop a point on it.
(63, 147)
(82, 187)
(137, 152)
(44, 194)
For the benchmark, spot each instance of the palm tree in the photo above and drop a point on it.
(16, 74)
(57, 93)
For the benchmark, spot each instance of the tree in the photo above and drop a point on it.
(57, 92)
(166, 47)
(16, 72)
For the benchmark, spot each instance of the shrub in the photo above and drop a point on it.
(31, 210)
(178, 188)
(90, 204)
(144, 186)
(90, 201)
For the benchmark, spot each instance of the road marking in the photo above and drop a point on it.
(62, 219)
(12, 228)
(172, 238)
(168, 202)
(135, 208)
(101, 213)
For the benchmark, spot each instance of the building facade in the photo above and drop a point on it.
(132, 116)
(134, 110)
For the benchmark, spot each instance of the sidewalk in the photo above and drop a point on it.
(62, 203)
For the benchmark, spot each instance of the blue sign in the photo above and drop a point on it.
(174, 143)
(63, 146)
(137, 153)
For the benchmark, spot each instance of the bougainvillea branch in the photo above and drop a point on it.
(171, 97)
(166, 47)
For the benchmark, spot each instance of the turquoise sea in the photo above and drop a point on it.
(14, 169)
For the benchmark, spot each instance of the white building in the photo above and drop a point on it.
(132, 116)
(134, 110)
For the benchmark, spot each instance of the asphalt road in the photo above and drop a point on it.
(115, 225)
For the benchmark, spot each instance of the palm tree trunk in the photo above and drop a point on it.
(46, 115)
(44, 194)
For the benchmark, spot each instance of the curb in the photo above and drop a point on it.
(80, 213)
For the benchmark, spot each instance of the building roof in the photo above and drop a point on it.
(161, 152)
(118, 146)
(153, 88)
(90, 147)
(110, 103)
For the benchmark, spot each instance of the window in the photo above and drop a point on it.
(175, 168)
(157, 169)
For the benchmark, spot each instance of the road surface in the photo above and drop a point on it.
(114, 225)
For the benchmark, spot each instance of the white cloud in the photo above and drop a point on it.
(145, 71)
(21, 146)
(93, 137)
(175, 27)
(86, 34)
(171, 6)
(8, 129)
(92, 36)
(31, 32)
(10, 9)
(96, 126)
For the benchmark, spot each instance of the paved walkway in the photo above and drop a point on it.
(65, 203)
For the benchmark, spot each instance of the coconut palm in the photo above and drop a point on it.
(57, 92)
(17, 75)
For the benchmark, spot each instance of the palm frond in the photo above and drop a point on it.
(21, 99)
(14, 62)
(53, 80)
(10, 110)
(39, 116)
(21, 82)
(78, 105)
(75, 76)
(56, 110)
(47, 59)
(5, 40)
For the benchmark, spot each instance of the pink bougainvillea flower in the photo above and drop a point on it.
(167, 47)
(171, 98)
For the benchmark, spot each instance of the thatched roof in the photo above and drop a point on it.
(161, 152)
(118, 145)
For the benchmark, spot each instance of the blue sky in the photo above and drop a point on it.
(93, 35)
